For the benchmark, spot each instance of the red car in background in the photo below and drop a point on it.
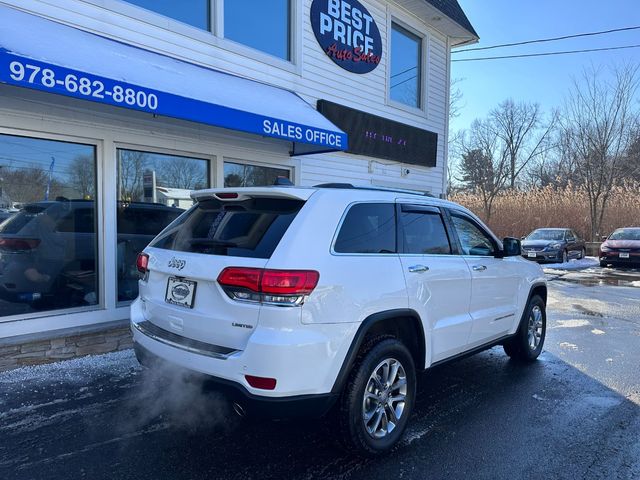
(622, 247)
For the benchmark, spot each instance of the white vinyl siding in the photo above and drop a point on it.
(311, 74)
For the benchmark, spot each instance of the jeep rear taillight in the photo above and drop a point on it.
(142, 263)
(15, 245)
(279, 287)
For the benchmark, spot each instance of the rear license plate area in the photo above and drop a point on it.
(180, 292)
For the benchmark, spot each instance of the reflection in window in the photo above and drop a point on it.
(406, 67)
(259, 24)
(244, 175)
(153, 190)
(424, 233)
(473, 240)
(48, 242)
(368, 228)
(192, 12)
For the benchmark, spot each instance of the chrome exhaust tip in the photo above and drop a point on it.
(239, 409)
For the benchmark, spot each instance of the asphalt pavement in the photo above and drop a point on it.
(573, 414)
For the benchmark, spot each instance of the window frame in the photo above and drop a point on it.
(348, 208)
(212, 162)
(421, 109)
(450, 213)
(101, 234)
(240, 161)
(215, 35)
(217, 29)
(426, 209)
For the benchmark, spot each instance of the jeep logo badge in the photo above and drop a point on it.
(175, 263)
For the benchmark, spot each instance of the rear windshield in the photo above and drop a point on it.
(251, 228)
(18, 221)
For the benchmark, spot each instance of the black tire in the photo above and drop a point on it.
(565, 256)
(352, 431)
(583, 253)
(519, 347)
(603, 264)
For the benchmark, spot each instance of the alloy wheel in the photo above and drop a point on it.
(384, 398)
(535, 327)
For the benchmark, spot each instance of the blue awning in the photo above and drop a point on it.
(44, 55)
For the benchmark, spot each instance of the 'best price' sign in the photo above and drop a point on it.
(347, 33)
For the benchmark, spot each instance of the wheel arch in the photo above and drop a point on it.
(402, 323)
(540, 289)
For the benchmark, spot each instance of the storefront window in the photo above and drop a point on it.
(262, 25)
(245, 175)
(153, 190)
(406, 66)
(192, 12)
(48, 241)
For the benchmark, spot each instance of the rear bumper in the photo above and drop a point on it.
(304, 359)
(253, 405)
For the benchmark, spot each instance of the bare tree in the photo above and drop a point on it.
(598, 124)
(181, 172)
(28, 184)
(455, 98)
(82, 176)
(522, 133)
(484, 166)
(454, 137)
(131, 166)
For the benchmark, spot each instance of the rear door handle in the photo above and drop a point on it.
(418, 268)
(479, 268)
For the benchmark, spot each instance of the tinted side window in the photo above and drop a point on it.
(79, 220)
(368, 228)
(424, 232)
(473, 240)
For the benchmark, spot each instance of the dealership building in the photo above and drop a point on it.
(112, 111)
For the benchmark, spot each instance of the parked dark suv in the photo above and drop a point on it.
(48, 257)
(553, 245)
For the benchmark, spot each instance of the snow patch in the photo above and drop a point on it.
(571, 323)
(586, 262)
(597, 331)
(76, 371)
(570, 346)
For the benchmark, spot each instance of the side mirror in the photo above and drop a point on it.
(604, 238)
(511, 247)
(522, 238)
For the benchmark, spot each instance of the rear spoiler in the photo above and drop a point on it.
(244, 193)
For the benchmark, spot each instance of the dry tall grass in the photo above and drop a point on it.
(517, 213)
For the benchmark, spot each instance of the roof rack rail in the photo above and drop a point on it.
(349, 186)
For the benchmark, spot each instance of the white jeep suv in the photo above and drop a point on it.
(309, 301)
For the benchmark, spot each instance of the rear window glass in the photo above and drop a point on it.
(18, 221)
(251, 228)
(368, 228)
(145, 219)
